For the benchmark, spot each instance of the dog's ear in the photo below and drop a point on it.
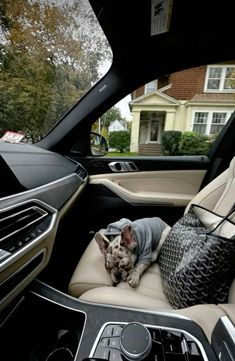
(128, 238)
(102, 242)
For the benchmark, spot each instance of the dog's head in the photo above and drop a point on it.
(120, 255)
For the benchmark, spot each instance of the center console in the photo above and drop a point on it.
(48, 325)
(135, 341)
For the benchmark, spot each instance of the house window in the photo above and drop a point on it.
(220, 79)
(200, 122)
(218, 121)
(209, 122)
(150, 87)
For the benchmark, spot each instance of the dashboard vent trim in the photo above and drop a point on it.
(81, 172)
(18, 220)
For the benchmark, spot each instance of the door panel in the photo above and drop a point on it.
(162, 187)
(100, 165)
(165, 188)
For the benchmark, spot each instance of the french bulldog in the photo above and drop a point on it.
(130, 247)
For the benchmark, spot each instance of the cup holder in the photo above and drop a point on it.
(41, 330)
(60, 354)
(56, 345)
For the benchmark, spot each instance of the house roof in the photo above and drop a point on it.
(157, 97)
(210, 98)
(122, 122)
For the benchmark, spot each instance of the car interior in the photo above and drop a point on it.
(58, 302)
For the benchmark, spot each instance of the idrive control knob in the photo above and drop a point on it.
(135, 341)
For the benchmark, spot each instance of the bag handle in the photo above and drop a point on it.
(225, 218)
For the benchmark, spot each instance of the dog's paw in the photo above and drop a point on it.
(133, 279)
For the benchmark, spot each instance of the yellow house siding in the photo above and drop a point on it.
(135, 126)
(192, 109)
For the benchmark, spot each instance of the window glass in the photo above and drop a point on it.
(218, 121)
(221, 78)
(200, 121)
(229, 82)
(180, 118)
(51, 53)
(150, 87)
(214, 78)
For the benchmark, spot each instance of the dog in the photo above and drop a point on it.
(130, 247)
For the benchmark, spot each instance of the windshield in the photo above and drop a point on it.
(51, 53)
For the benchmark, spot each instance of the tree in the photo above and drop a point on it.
(47, 61)
(120, 140)
(111, 115)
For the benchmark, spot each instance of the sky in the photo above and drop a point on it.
(124, 107)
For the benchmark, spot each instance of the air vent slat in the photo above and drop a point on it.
(81, 172)
(17, 221)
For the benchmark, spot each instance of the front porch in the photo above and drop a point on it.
(150, 149)
(152, 114)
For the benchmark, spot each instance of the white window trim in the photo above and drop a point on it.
(221, 89)
(209, 119)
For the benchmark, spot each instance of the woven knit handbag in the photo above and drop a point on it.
(197, 259)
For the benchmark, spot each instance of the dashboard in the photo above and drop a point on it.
(37, 187)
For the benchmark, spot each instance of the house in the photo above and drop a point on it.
(117, 125)
(199, 99)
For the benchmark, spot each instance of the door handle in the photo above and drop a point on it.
(123, 167)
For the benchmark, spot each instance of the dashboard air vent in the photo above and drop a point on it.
(81, 172)
(18, 219)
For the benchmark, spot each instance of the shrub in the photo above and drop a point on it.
(120, 140)
(193, 143)
(170, 141)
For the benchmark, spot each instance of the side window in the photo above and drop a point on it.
(176, 114)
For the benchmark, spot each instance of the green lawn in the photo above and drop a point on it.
(119, 154)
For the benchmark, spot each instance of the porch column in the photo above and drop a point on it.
(135, 129)
(170, 121)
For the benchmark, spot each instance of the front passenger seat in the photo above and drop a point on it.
(92, 282)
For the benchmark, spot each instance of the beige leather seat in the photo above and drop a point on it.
(91, 282)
